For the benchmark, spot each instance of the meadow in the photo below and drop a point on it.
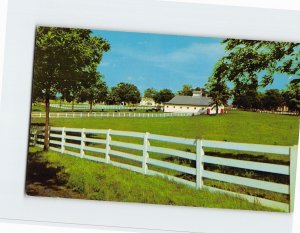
(235, 126)
(77, 178)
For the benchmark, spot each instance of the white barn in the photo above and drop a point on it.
(196, 104)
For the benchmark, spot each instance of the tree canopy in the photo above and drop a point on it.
(255, 61)
(125, 93)
(150, 93)
(65, 60)
(187, 90)
(163, 96)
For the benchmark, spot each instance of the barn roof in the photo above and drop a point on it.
(191, 100)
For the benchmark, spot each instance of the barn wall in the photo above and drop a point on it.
(183, 108)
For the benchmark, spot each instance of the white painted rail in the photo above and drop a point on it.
(106, 144)
(107, 115)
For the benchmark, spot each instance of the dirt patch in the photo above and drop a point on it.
(43, 179)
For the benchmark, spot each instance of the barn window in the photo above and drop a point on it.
(180, 107)
(188, 107)
(174, 107)
(195, 108)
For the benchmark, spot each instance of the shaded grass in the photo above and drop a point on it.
(98, 181)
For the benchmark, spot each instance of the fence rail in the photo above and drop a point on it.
(280, 113)
(108, 143)
(98, 106)
(106, 114)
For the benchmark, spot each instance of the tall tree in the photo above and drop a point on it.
(64, 58)
(272, 99)
(94, 94)
(217, 88)
(292, 97)
(125, 93)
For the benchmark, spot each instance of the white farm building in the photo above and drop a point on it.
(196, 104)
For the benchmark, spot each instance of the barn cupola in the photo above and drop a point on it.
(197, 94)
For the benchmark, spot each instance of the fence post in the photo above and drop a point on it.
(199, 164)
(35, 134)
(145, 153)
(293, 168)
(107, 147)
(82, 145)
(63, 140)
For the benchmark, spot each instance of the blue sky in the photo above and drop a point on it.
(161, 61)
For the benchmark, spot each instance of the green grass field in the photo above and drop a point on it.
(98, 181)
(236, 126)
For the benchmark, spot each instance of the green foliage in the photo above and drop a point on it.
(150, 93)
(272, 99)
(65, 60)
(247, 60)
(217, 88)
(163, 96)
(124, 93)
(187, 90)
(94, 94)
(292, 97)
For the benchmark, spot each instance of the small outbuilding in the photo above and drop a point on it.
(196, 104)
(147, 102)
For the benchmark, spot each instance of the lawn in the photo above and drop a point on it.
(235, 126)
(78, 178)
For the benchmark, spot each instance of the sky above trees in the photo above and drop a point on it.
(162, 61)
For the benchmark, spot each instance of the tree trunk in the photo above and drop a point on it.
(91, 106)
(217, 109)
(46, 139)
(72, 105)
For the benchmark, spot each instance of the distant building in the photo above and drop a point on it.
(197, 104)
(147, 102)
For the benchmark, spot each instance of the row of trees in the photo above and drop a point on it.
(269, 100)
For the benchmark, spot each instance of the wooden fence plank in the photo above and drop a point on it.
(283, 150)
(172, 166)
(127, 145)
(127, 134)
(184, 141)
(264, 202)
(264, 167)
(95, 149)
(259, 184)
(126, 155)
(173, 152)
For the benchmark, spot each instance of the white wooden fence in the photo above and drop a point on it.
(84, 141)
(107, 114)
(99, 106)
(280, 113)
